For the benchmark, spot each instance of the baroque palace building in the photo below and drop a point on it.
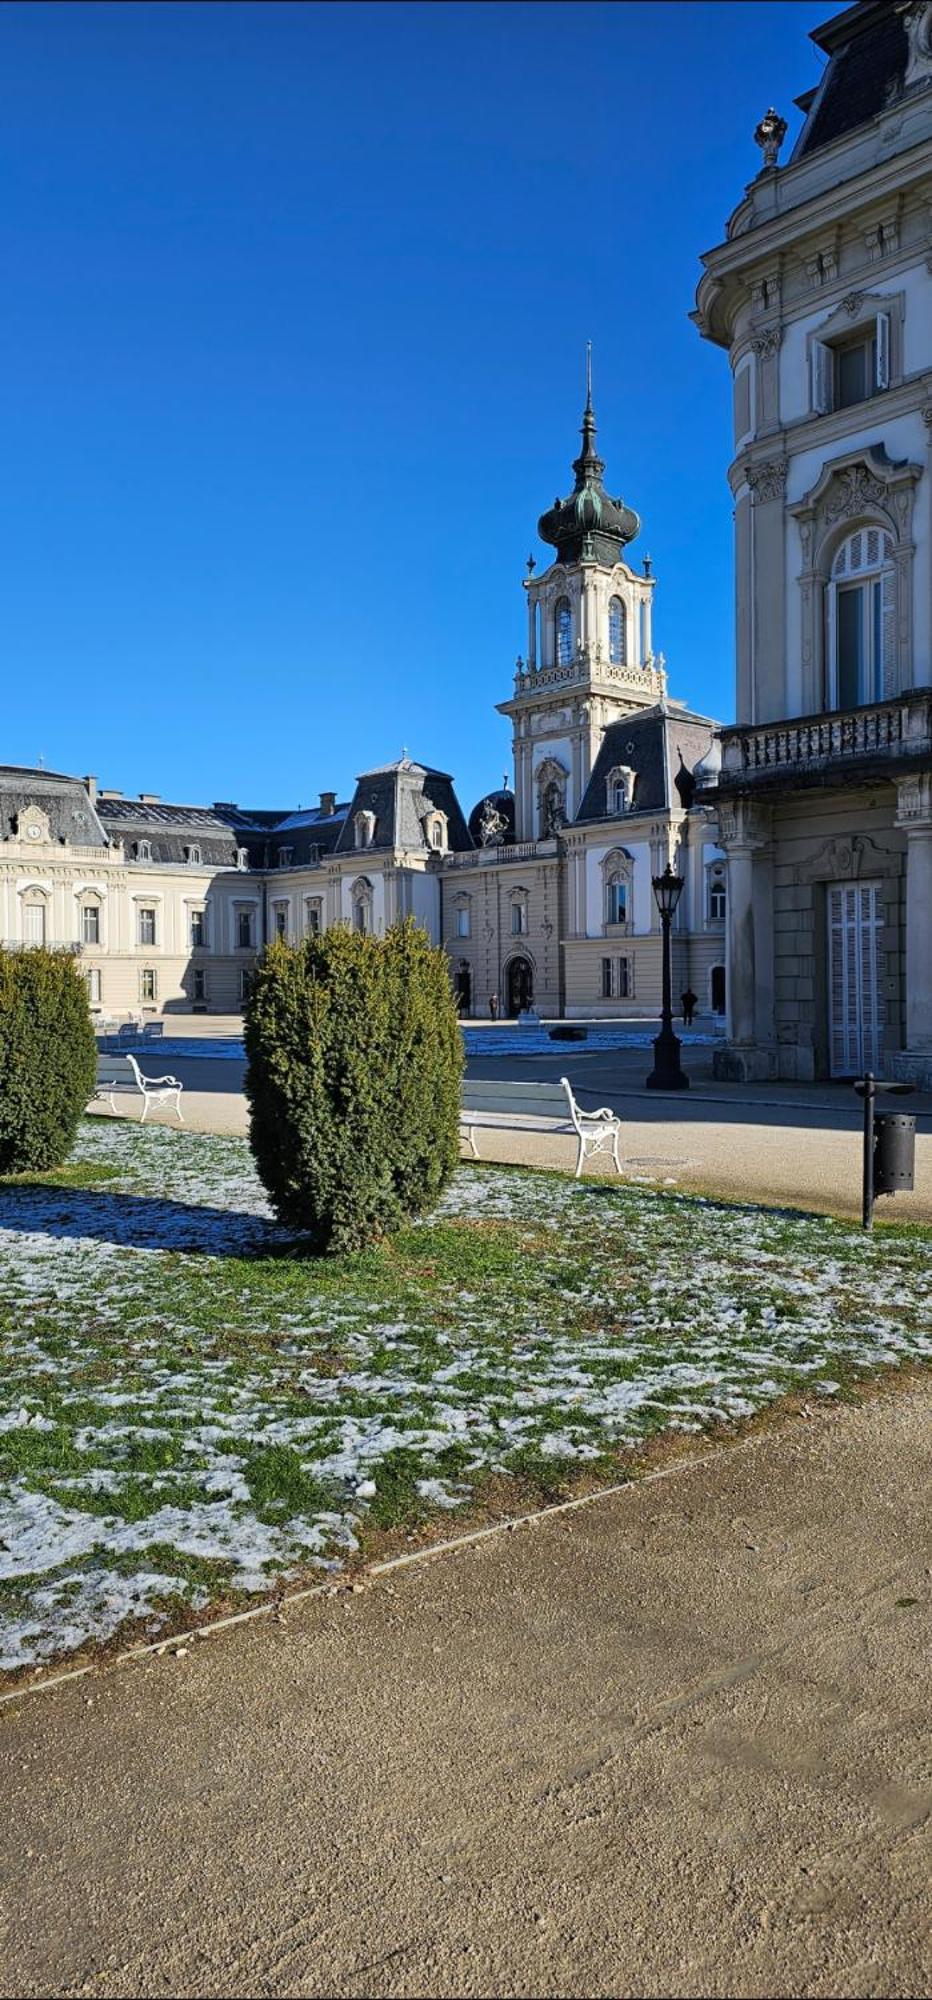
(821, 295)
(542, 898)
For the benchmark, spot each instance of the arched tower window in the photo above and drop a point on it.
(563, 631)
(862, 619)
(617, 632)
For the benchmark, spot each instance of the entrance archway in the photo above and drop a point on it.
(718, 989)
(520, 990)
(462, 987)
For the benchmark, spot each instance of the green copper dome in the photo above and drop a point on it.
(590, 525)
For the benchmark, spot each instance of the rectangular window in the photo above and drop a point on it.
(624, 980)
(34, 923)
(200, 986)
(606, 978)
(93, 983)
(90, 924)
(244, 930)
(147, 926)
(312, 916)
(855, 373)
(617, 903)
(198, 928)
(245, 980)
(281, 921)
(462, 923)
(518, 919)
(147, 987)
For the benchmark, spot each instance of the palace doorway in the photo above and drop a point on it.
(854, 1004)
(718, 989)
(520, 987)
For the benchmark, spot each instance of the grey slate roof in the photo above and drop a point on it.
(657, 743)
(400, 795)
(169, 830)
(65, 800)
(867, 50)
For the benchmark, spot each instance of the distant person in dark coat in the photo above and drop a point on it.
(493, 1006)
(688, 1003)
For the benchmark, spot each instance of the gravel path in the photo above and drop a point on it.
(672, 1742)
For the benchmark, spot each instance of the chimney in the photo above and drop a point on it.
(109, 794)
(90, 785)
(150, 798)
(328, 804)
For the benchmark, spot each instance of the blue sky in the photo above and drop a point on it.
(292, 354)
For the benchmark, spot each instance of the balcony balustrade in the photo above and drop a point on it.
(812, 746)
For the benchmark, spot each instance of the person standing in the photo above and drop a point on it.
(688, 1002)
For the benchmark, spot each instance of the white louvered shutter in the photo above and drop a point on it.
(887, 674)
(821, 364)
(882, 364)
(855, 1009)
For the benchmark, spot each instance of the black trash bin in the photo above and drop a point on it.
(894, 1153)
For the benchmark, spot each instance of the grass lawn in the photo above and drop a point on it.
(192, 1410)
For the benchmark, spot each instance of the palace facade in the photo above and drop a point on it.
(542, 897)
(821, 295)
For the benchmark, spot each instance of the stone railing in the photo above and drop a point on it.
(483, 857)
(647, 681)
(887, 730)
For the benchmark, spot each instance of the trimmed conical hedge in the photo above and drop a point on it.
(48, 1058)
(355, 1062)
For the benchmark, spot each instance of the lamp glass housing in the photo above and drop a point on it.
(668, 889)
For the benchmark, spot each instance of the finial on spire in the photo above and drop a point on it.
(589, 375)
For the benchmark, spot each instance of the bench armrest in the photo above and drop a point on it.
(173, 1080)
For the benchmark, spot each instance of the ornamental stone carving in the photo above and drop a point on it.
(847, 861)
(918, 23)
(854, 490)
(767, 342)
(767, 481)
(852, 303)
(769, 136)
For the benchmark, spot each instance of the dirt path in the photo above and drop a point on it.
(671, 1743)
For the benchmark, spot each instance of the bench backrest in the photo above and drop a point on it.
(153, 1030)
(117, 1069)
(127, 1032)
(530, 1100)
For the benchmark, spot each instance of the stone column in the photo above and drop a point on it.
(914, 812)
(744, 836)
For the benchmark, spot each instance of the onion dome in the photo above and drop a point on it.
(492, 821)
(590, 524)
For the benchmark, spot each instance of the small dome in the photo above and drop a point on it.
(707, 770)
(492, 820)
(590, 523)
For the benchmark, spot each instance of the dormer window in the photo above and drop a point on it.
(192, 856)
(142, 850)
(285, 857)
(364, 825)
(242, 857)
(620, 789)
(563, 632)
(617, 632)
(435, 827)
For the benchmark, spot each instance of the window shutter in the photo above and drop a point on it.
(821, 360)
(882, 365)
(887, 674)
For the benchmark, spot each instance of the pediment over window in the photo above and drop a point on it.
(860, 484)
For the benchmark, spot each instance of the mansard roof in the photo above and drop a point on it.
(658, 744)
(867, 50)
(65, 802)
(400, 795)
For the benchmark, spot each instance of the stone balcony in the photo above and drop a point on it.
(486, 857)
(647, 681)
(834, 748)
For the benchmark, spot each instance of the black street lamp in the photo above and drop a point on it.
(666, 1073)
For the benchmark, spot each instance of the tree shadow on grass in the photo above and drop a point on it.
(141, 1222)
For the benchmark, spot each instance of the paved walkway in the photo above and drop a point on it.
(793, 1144)
(673, 1742)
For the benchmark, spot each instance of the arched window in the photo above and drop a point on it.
(463, 916)
(563, 631)
(716, 892)
(617, 880)
(617, 632)
(519, 912)
(364, 825)
(619, 789)
(361, 894)
(862, 619)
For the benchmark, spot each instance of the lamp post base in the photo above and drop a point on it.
(666, 1073)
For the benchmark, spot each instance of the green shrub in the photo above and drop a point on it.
(355, 1060)
(48, 1058)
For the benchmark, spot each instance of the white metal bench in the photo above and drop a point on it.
(122, 1073)
(596, 1131)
